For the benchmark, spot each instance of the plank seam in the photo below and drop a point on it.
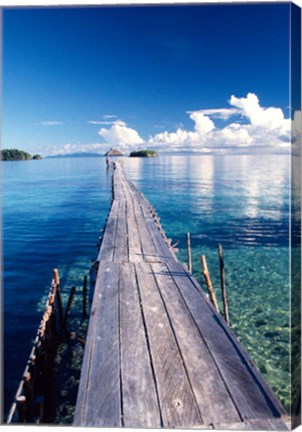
(127, 224)
(271, 399)
(116, 229)
(207, 347)
(127, 231)
(135, 217)
(148, 347)
(177, 344)
(120, 353)
(85, 406)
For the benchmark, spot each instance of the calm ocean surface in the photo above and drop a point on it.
(54, 209)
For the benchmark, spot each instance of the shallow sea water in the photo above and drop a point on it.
(54, 209)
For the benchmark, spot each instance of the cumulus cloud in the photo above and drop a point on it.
(246, 125)
(220, 113)
(270, 118)
(265, 127)
(121, 135)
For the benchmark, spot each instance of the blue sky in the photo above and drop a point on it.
(170, 77)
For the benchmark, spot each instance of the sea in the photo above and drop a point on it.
(53, 212)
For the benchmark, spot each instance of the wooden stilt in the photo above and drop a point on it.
(28, 391)
(208, 282)
(68, 307)
(223, 287)
(189, 253)
(21, 401)
(58, 295)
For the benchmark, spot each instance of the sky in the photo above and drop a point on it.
(206, 78)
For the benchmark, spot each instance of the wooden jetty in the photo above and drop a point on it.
(157, 353)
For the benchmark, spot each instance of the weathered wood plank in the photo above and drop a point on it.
(162, 248)
(140, 403)
(147, 243)
(157, 354)
(108, 244)
(212, 396)
(82, 392)
(134, 242)
(148, 246)
(257, 424)
(121, 241)
(102, 398)
(177, 402)
(249, 393)
(118, 175)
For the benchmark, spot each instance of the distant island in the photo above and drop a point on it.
(143, 153)
(18, 155)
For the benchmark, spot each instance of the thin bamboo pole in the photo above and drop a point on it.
(208, 282)
(68, 307)
(189, 253)
(21, 401)
(58, 295)
(223, 287)
(28, 392)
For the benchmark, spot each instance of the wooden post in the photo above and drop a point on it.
(84, 296)
(208, 282)
(58, 295)
(68, 307)
(28, 391)
(21, 400)
(189, 253)
(223, 288)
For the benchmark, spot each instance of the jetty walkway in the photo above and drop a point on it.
(157, 354)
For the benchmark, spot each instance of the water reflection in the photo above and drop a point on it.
(237, 199)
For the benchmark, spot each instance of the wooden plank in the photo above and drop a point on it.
(102, 406)
(249, 393)
(140, 403)
(108, 244)
(81, 397)
(121, 244)
(134, 242)
(117, 183)
(148, 246)
(257, 424)
(162, 248)
(177, 402)
(212, 396)
(150, 252)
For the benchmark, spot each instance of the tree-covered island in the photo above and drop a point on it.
(17, 155)
(143, 153)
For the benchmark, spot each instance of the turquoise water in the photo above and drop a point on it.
(53, 210)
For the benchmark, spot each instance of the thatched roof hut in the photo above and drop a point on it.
(114, 152)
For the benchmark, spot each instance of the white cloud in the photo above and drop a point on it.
(220, 113)
(75, 148)
(120, 135)
(109, 116)
(50, 123)
(102, 122)
(270, 118)
(265, 127)
(248, 125)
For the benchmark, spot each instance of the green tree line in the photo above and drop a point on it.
(16, 155)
